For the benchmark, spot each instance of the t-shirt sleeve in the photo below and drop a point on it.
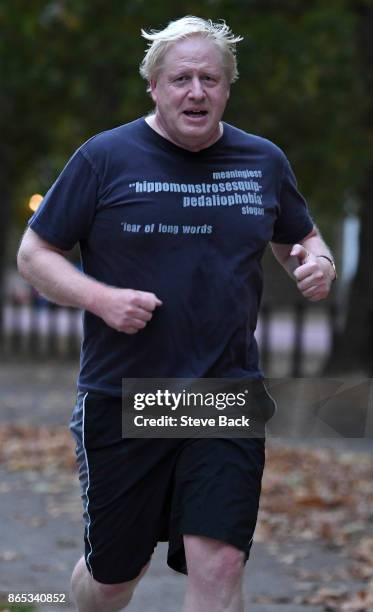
(294, 221)
(67, 210)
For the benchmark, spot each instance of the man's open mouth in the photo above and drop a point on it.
(195, 113)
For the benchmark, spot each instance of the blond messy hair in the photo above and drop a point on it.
(161, 40)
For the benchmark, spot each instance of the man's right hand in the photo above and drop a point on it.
(45, 267)
(126, 310)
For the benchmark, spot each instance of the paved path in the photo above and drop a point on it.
(41, 529)
(41, 534)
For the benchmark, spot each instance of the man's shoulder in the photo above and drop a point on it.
(240, 138)
(110, 140)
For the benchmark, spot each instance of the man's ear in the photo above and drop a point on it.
(153, 87)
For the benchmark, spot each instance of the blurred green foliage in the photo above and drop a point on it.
(70, 70)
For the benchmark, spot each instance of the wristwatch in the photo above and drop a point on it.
(330, 260)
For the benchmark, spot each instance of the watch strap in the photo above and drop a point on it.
(330, 260)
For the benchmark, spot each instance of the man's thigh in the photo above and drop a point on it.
(201, 551)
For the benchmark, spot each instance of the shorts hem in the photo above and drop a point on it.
(176, 558)
(125, 577)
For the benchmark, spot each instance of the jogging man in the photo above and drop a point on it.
(172, 213)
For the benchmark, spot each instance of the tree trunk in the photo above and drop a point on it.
(5, 211)
(353, 347)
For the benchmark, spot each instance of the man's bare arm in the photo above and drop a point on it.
(308, 263)
(46, 268)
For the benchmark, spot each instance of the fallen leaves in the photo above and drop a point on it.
(339, 600)
(308, 496)
(318, 494)
(324, 496)
(36, 448)
(364, 551)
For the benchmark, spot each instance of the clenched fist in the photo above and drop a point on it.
(314, 275)
(126, 310)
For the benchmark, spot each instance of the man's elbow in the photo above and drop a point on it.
(24, 261)
(32, 254)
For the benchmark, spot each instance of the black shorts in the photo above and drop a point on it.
(137, 492)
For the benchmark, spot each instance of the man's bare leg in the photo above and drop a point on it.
(215, 573)
(93, 596)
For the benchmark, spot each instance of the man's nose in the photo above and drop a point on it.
(196, 88)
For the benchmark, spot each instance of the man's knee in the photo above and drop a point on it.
(91, 594)
(228, 563)
(224, 567)
(212, 561)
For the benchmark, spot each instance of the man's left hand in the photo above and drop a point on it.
(314, 275)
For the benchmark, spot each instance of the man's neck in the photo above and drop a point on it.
(153, 122)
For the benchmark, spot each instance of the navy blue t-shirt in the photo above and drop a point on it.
(189, 227)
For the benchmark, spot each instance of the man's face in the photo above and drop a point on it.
(191, 93)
